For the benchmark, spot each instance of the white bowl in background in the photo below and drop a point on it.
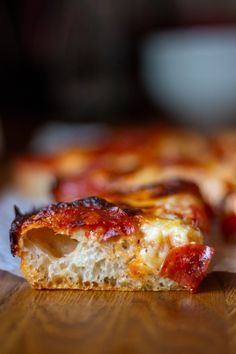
(192, 74)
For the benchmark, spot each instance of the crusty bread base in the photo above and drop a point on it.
(66, 286)
(55, 261)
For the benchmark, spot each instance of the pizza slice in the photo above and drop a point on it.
(149, 239)
(34, 175)
(125, 150)
(214, 180)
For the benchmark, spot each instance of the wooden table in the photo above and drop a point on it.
(39, 322)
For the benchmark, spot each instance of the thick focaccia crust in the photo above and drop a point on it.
(126, 241)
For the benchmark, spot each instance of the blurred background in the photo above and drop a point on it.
(114, 61)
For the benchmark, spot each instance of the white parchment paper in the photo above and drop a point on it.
(8, 199)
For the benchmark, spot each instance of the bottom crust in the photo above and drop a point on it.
(148, 283)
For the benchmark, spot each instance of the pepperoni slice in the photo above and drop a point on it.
(187, 265)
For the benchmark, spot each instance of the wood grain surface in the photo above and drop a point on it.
(36, 322)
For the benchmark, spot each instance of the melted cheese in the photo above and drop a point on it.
(159, 237)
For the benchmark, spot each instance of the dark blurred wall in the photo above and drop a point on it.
(80, 58)
(75, 57)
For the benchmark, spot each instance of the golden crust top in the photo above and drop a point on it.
(90, 213)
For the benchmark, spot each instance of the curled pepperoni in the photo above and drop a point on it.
(187, 265)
